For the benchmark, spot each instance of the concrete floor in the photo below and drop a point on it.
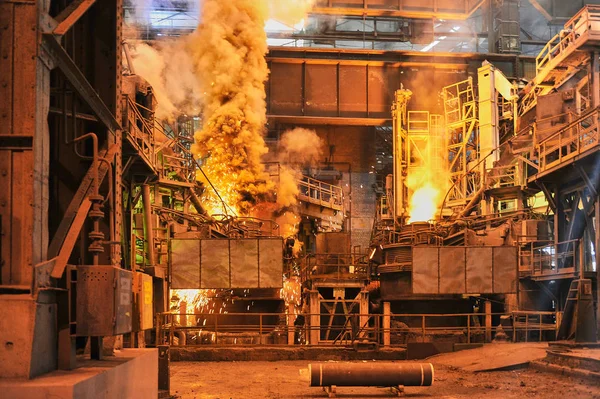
(289, 379)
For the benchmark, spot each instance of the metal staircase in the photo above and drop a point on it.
(563, 55)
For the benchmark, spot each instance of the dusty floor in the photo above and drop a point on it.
(289, 379)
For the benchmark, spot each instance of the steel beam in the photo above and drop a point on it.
(78, 80)
(71, 14)
(71, 239)
(541, 9)
(356, 87)
(333, 120)
(548, 195)
(453, 10)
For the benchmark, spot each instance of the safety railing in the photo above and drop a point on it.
(245, 227)
(570, 141)
(543, 128)
(320, 193)
(546, 258)
(140, 130)
(335, 266)
(418, 122)
(556, 50)
(339, 329)
(459, 102)
(505, 176)
(573, 29)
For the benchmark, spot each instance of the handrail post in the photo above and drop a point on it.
(469, 328)
(216, 328)
(260, 336)
(423, 327)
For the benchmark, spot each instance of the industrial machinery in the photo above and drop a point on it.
(516, 175)
(444, 197)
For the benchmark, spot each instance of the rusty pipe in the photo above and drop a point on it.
(370, 374)
(110, 199)
(95, 186)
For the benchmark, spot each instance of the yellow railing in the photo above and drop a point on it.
(545, 258)
(568, 142)
(335, 266)
(320, 193)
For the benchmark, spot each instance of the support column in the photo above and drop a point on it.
(291, 317)
(597, 256)
(314, 309)
(595, 79)
(386, 324)
(148, 225)
(488, 321)
(364, 311)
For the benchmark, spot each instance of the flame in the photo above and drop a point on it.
(424, 204)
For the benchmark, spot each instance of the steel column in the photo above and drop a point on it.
(148, 225)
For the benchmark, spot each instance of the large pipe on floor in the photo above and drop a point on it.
(370, 374)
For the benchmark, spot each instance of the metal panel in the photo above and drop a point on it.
(214, 263)
(505, 270)
(185, 264)
(223, 263)
(270, 263)
(143, 312)
(6, 66)
(479, 270)
(353, 91)
(244, 263)
(452, 270)
(286, 89)
(103, 301)
(321, 90)
(425, 270)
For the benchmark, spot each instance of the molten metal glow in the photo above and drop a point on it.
(424, 204)
(291, 293)
(195, 301)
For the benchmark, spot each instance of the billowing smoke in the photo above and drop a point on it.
(298, 148)
(168, 68)
(221, 69)
(228, 51)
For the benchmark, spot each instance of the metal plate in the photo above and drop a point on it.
(214, 264)
(123, 302)
(185, 264)
(270, 262)
(244, 263)
(452, 270)
(223, 263)
(321, 90)
(505, 270)
(479, 270)
(425, 270)
(104, 305)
